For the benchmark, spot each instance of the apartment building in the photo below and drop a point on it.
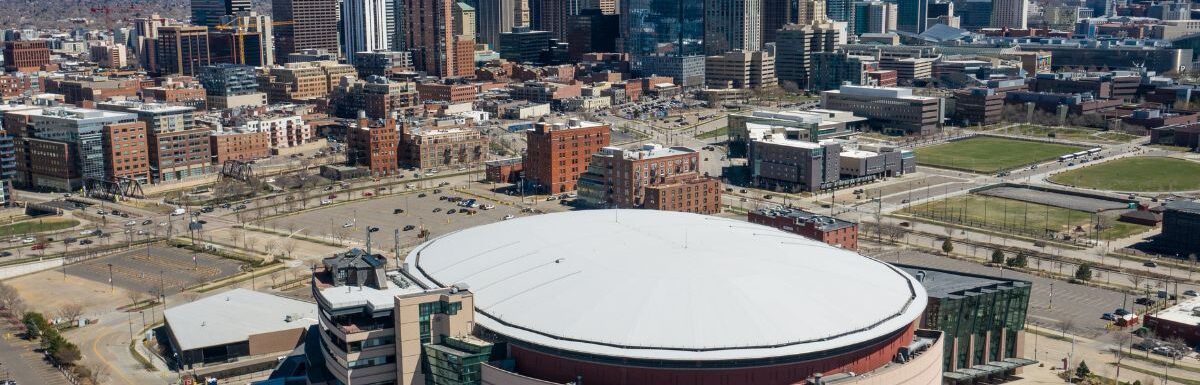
(373, 144)
(434, 148)
(652, 177)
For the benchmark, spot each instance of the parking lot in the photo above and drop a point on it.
(396, 212)
(145, 269)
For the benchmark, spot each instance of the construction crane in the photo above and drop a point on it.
(237, 26)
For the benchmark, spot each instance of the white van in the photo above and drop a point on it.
(179, 211)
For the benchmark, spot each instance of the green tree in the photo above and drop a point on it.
(1018, 261)
(68, 354)
(947, 246)
(1084, 272)
(1082, 370)
(997, 256)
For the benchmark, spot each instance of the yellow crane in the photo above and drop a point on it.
(237, 26)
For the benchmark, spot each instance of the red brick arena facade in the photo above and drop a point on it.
(538, 362)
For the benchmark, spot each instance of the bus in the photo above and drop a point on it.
(1066, 157)
(1094, 151)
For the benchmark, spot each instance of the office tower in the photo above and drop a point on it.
(732, 25)
(975, 14)
(1010, 14)
(838, 10)
(666, 37)
(145, 33)
(608, 7)
(911, 15)
(494, 17)
(592, 31)
(244, 39)
(208, 12)
(556, 15)
(181, 50)
(429, 34)
(304, 24)
(775, 15)
(942, 13)
(464, 20)
(811, 11)
(364, 26)
(25, 55)
(795, 46)
(521, 13)
(873, 17)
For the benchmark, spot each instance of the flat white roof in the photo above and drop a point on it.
(1182, 312)
(234, 316)
(858, 154)
(783, 141)
(341, 297)
(666, 285)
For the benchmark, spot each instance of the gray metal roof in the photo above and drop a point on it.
(234, 316)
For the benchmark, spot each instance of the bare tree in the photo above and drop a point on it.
(134, 297)
(250, 242)
(1066, 325)
(270, 246)
(289, 246)
(70, 311)
(274, 277)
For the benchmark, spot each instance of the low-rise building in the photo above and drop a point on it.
(508, 170)
(25, 55)
(1181, 223)
(126, 153)
(438, 148)
(307, 81)
(236, 328)
(810, 125)
(239, 145)
(544, 92)
(178, 149)
(617, 178)
(454, 93)
(833, 231)
(889, 109)
(783, 164)
(741, 69)
(76, 88)
(377, 96)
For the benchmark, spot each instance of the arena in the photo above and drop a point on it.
(655, 297)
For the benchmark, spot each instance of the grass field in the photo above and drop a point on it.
(1030, 219)
(37, 226)
(1151, 174)
(1068, 133)
(717, 133)
(988, 155)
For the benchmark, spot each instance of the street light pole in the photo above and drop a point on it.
(110, 279)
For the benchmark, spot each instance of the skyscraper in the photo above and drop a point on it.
(364, 26)
(838, 10)
(304, 24)
(873, 16)
(975, 14)
(494, 17)
(464, 20)
(775, 15)
(911, 15)
(428, 27)
(732, 25)
(1010, 14)
(812, 11)
(556, 16)
(795, 45)
(665, 37)
(181, 50)
(208, 12)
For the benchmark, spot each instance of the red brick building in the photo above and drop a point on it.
(374, 145)
(700, 195)
(833, 231)
(653, 177)
(25, 55)
(557, 153)
(126, 151)
(243, 146)
(883, 78)
(504, 170)
(453, 93)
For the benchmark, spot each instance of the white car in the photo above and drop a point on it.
(27, 240)
(87, 232)
(347, 225)
(325, 202)
(507, 217)
(488, 207)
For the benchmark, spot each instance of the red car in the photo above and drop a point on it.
(332, 196)
(40, 246)
(368, 193)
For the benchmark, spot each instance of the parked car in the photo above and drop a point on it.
(1191, 293)
(437, 209)
(1144, 301)
(325, 202)
(85, 242)
(409, 227)
(507, 217)
(147, 222)
(1150, 264)
(421, 195)
(5, 253)
(131, 223)
(398, 211)
(451, 211)
(1108, 317)
(40, 246)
